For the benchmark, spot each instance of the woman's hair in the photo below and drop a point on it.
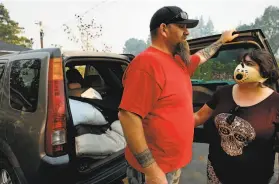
(266, 62)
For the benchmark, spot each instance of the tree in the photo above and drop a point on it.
(148, 41)
(134, 46)
(269, 24)
(209, 28)
(10, 30)
(57, 46)
(197, 31)
(87, 34)
(202, 29)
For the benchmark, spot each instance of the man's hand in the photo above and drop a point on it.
(228, 36)
(154, 175)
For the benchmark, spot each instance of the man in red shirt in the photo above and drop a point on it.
(156, 110)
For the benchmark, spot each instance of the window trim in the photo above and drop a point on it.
(2, 74)
(2, 79)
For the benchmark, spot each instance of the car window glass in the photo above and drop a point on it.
(81, 69)
(117, 70)
(24, 84)
(93, 77)
(221, 67)
(92, 70)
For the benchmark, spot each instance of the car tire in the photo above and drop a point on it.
(7, 173)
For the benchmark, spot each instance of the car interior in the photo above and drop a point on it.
(94, 91)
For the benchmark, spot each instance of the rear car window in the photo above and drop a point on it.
(119, 71)
(92, 78)
(24, 84)
(221, 67)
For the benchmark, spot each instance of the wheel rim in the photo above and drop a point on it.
(5, 177)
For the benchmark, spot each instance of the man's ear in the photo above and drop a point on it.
(163, 30)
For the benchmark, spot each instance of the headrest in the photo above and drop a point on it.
(73, 76)
(93, 80)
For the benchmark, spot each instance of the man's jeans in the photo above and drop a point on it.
(136, 177)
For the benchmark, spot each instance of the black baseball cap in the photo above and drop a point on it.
(171, 14)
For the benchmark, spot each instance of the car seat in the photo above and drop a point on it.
(73, 76)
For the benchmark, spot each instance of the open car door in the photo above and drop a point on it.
(218, 71)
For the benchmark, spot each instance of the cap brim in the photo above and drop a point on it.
(189, 22)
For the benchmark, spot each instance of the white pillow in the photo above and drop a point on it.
(85, 113)
(97, 146)
(116, 127)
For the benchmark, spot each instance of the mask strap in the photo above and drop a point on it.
(231, 117)
(243, 57)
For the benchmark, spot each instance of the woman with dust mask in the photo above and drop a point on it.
(242, 120)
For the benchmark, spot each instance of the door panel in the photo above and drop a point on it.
(25, 113)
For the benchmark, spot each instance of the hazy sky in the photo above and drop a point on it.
(123, 19)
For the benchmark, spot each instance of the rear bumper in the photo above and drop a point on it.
(63, 169)
(57, 171)
(53, 170)
(62, 160)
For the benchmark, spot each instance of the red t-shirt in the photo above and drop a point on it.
(158, 88)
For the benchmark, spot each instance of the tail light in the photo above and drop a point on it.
(56, 117)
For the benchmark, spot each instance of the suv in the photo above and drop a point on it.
(58, 112)
(37, 132)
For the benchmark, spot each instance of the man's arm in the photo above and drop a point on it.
(209, 51)
(134, 135)
(135, 105)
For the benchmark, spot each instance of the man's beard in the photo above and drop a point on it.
(182, 49)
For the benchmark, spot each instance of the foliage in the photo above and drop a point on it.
(269, 24)
(86, 34)
(57, 46)
(202, 29)
(215, 70)
(134, 46)
(10, 30)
